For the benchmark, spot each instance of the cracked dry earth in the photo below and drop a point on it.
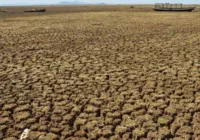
(106, 75)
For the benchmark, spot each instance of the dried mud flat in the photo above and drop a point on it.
(110, 75)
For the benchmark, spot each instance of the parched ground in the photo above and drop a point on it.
(106, 75)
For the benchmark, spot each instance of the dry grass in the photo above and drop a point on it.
(117, 75)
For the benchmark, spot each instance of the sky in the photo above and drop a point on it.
(18, 2)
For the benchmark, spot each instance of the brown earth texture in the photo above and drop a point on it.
(100, 75)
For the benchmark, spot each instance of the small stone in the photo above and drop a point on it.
(25, 134)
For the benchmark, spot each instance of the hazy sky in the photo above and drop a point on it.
(2, 2)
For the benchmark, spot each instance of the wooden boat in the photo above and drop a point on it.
(172, 7)
(3, 11)
(36, 10)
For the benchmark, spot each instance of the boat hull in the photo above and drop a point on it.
(41, 10)
(3, 11)
(174, 9)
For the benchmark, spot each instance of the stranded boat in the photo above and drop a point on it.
(3, 11)
(172, 7)
(36, 10)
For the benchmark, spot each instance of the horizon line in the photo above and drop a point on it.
(101, 3)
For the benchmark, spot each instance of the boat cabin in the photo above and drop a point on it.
(168, 5)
